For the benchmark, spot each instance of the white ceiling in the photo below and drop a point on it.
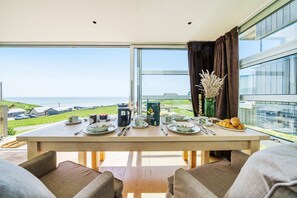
(121, 21)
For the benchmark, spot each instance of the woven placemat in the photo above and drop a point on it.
(13, 144)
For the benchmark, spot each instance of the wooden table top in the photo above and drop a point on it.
(60, 132)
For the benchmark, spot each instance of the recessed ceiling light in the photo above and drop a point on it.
(189, 23)
(94, 22)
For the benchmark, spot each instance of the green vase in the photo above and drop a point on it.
(210, 107)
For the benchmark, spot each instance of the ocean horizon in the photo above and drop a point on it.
(69, 101)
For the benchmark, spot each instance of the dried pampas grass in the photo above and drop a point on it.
(210, 84)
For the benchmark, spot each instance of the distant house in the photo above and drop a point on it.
(45, 111)
(58, 110)
(15, 112)
(39, 111)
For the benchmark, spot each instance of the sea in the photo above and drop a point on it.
(70, 101)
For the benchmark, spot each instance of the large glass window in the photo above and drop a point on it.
(274, 30)
(163, 76)
(268, 74)
(272, 77)
(65, 81)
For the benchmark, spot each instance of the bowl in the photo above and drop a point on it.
(184, 127)
(178, 117)
(99, 127)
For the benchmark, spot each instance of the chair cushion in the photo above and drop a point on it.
(269, 173)
(15, 181)
(185, 185)
(217, 177)
(69, 178)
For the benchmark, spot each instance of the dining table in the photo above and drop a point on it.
(61, 137)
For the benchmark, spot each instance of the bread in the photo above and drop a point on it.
(233, 123)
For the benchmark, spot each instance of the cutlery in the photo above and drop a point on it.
(205, 132)
(208, 130)
(165, 132)
(127, 129)
(76, 133)
(122, 131)
(202, 129)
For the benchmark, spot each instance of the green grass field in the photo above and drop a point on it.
(178, 104)
(11, 104)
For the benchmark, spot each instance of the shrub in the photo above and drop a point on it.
(11, 131)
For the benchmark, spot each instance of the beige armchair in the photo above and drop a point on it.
(41, 177)
(267, 173)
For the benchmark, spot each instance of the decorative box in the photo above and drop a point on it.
(153, 113)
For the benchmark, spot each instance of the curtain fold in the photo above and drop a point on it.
(200, 57)
(226, 63)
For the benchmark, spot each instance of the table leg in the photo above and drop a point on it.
(94, 160)
(102, 156)
(254, 146)
(193, 158)
(205, 157)
(185, 155)
(82, 158)
(32, 149)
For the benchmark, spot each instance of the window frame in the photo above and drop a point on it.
(137, 72)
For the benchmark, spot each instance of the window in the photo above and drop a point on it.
(68, 80)
(162, 75)
(274, 30)
(268, 74)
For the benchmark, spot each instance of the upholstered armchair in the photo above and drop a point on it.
(267, 173)
(41, 177)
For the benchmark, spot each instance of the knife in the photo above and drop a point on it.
(127, 129)
(122, 131)
(208, 130)
(165, 132)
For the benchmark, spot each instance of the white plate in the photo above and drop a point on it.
(207, 125)
(112, 128)
(186, 118)
(172, 127)
(237, 130)
(166, 123)
(73, 123)
(139, 127)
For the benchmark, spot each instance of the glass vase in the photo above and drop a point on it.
(210, 107)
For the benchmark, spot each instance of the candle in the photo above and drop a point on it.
(200, 105)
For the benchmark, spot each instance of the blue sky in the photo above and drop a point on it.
(84, 72)
(70, 72)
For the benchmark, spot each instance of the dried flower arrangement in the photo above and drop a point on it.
(210, 84)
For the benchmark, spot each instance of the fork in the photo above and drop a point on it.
(76, 133)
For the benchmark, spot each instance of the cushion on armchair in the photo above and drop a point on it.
(15, 181)
(73, 177)
(185, 185)
(268, 173)
(217, 177)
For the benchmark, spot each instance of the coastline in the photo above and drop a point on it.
(69, 101)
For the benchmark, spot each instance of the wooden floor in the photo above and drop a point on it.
(144, 173)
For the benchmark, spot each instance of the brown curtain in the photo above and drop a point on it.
(226, 63)
(200, 57)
